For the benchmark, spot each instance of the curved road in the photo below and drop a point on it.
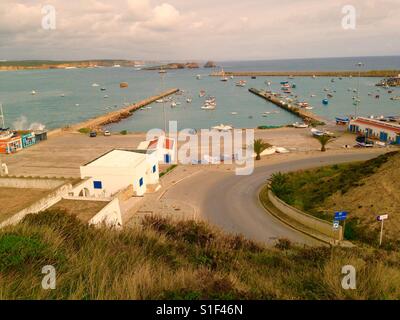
(231, 202)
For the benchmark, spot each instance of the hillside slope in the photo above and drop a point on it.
(186, 260)
(377, 194)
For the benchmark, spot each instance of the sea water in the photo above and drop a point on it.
(64, 97)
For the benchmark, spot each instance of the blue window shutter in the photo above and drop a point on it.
(154, 168)
(97, 185)
(141, 182)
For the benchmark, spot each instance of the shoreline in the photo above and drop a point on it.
(344, 73)
(112, 117)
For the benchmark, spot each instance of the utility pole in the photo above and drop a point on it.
(164, 111)
(359, 65)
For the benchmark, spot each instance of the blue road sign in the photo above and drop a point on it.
(340, 216)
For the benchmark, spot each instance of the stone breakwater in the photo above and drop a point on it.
(370, 73)
(114, 116)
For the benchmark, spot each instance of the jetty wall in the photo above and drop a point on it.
(354, 73)
(114, 116)
(307, 116)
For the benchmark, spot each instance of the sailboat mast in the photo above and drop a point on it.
(2, 116)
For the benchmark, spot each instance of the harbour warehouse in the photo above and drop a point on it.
(388, 132)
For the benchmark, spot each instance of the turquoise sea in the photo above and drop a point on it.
(82, 101)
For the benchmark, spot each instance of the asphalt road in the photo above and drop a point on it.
(231, 202)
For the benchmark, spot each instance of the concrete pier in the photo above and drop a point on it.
(114, 116)
(307, 116)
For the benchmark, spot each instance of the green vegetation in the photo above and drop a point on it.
(84, 130)
(324, 140)
(179, 260)
(259, 147)
(309, 190)
(268, 127)
(169, 169)
(124, 132)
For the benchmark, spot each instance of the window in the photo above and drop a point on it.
(154, 169)
(97, 185)
(141, 182)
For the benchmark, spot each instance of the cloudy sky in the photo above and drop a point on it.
(198, 29)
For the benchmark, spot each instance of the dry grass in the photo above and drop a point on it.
(185, 260)
(13, 200)
(83, 210)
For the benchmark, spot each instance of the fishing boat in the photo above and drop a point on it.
(123, 85)
(202, 93)
(95, 85)
(189, 100)
(234, 113)
(313, 96)
(241, 83)
(300, 125)
(224, 78)
(198, 77)
(254, 77)
(395, 98)
(342, 121)
(173, 104)
(317, 133)
(329, 95)
(33, 92)
(106, 96)
(325, 102)
(162, 71)
(103, 89)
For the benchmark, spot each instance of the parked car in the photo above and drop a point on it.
(93, 134)
(107, 133)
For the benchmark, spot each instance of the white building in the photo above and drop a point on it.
(165, 148)
(119, 169)
(376, 129)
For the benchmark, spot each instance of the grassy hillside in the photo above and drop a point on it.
(365, 189)
(187, 260)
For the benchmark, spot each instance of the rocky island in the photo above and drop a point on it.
(174, 66)
(210, 64)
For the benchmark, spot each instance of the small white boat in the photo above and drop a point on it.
(300, 125)
(117, 66)
(95, 85)
(281, 150)
(198, 77)
(106, 96)
(316, 132)
(173, 104)
(77, 104)
(62, 95)
(222, 128)
(395, 98)
(159, 101)
(189, 100)
(234, 113)
(33, 92)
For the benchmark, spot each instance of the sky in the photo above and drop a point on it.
(218, 30)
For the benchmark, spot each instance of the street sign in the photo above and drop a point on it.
(336, 225)
(341, 215)
(382, 217)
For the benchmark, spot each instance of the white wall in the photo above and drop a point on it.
(110, 215)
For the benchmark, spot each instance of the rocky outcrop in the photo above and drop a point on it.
(210, 64)
(174, 66)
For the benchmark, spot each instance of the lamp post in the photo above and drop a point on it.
(359, 65)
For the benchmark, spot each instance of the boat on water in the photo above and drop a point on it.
(209, 104)
(241, 83)
(106, 96)
(329, 95)
(300, 125)
(198, 77)
(117, 66)
(202, 93)
(303, 104)
(234, 113)
(395, 98)
(160, 101)
(103, 89)
(224, 78)
(189, 100)
(123, 85)
(95, 85)
(313, 95)
(162, 71)
(254, 77)
(325, 102)
(173, 104)
(342, 121)
(33, 92)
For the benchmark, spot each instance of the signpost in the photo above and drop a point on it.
(381, 219)
(339, 216)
